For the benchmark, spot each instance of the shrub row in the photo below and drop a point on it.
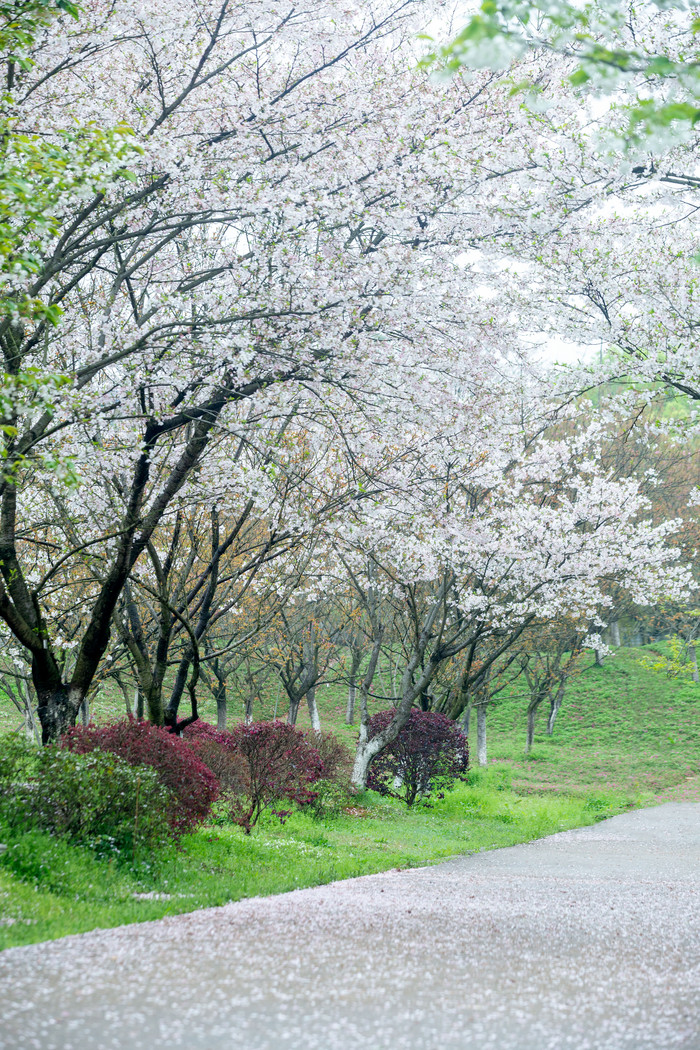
(129, 786)
(263, 765)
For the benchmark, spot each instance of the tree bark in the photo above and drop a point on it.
(352, 688)
(556, 703)
(221, 710)
(248, 712)
(292, 712)
(481, 754)
(313, 709)
(531, 718)
(466, 720)
(125, 693)
(615, 634)
(23, 699)
(364, 753)
(58, 710)
(31, 729)
(352, 695)
(154, 705)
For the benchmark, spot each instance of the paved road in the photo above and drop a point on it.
(587, 940)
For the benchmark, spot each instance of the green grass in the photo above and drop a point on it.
(622, 728)
(56, 889)
(626, 736)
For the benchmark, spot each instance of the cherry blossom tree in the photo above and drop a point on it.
(287, 228)
(647, 54)
(497, 538)
(599, 223)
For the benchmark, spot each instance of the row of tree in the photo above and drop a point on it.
(257, 398)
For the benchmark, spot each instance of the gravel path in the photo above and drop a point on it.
(587, 940)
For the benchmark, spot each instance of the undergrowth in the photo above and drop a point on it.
(49, 888)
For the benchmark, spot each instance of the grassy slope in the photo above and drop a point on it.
(625, 736)
(622, 728)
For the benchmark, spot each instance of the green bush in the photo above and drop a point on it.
(96, 800)
(18, 760)
(51, 863)
(332, 799)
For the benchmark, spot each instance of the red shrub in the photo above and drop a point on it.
(429, 754)
(193, 786)
(335, 756)
(280, 764)
(218, 750)
(197, 732)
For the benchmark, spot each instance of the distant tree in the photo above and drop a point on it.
(550, 658)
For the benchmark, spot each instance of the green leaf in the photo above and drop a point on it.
(70, 8)
(579, 77)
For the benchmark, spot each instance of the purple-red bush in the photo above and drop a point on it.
(429, 754)
(335, 756)
(218, 750)
(193, 786)
(280, 764)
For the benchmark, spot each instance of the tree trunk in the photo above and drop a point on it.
(352, 694)
(84, 712)
(355, 661)
(313, 709)
(460, 702)
(249, 705)
(531, 715)
(23, 699)
(481, 755)
(556, 703)
(360, 769)
(693, 657)
(466, 720)
(598, 658)
(615, 634)
(154, 704)
(221, 712)
(32, 730)
(58, 710)
(125, 693)
(292, 712)
(365, 751)
(531, 718)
